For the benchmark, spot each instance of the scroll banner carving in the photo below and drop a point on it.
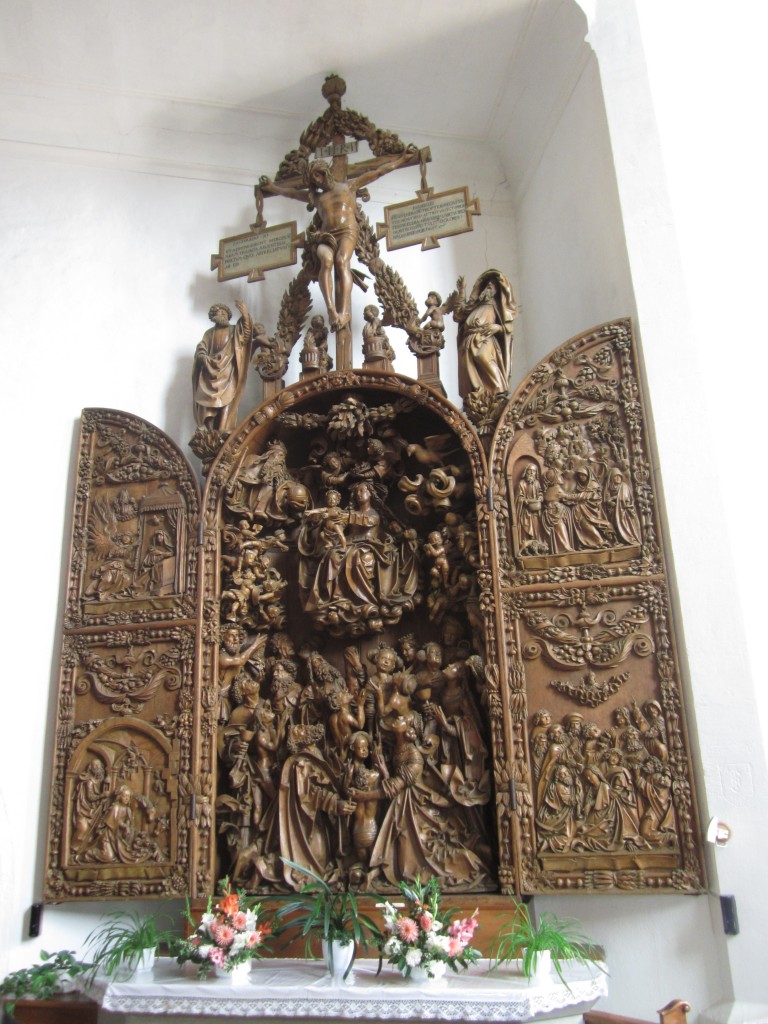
(424, 220)
(605, 797)
(126, 720)
(250, 254)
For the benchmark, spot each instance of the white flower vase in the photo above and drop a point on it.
(542, 968)
(340, 961)
(146, 961)
(237, 975)
(432, 977)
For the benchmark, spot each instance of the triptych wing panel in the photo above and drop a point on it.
(124, 767)
(604, 783)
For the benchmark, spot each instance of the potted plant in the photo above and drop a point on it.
(27, 991)
(335, 916)
(123, 944)
(537, 947)
(228, 937)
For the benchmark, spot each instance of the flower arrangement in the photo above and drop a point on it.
(229, 933)
(423, 937)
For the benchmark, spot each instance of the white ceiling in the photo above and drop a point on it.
(210, 86)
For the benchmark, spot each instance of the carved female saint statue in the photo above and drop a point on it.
(485, 334)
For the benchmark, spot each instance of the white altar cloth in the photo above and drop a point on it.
(303, 990)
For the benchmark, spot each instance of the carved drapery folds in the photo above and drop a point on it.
(604, 787)
(126, 723)
(419, 646)
(345, 640)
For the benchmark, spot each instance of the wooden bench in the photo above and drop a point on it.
(675, 1012)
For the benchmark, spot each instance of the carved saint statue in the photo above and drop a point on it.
(220, 368)
(485, 333)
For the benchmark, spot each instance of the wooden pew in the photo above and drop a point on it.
(673, 1013)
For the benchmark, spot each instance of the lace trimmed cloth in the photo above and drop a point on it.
(303, 990)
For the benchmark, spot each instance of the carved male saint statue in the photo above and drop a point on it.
(335, 242)
(220, 367)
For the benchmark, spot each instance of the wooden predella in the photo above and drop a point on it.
(392, 637)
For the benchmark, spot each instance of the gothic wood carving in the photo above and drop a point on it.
(346, 627)
(125, 761)
(601, 767)
(400, 661)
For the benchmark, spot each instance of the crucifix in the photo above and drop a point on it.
(332, 191)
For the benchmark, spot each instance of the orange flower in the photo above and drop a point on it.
(230, 904)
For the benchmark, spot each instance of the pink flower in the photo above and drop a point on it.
(238, 921)
(455, 946)
(464, 930)
(426, 921)
(407, 929)
(216, 956)
(224, 936)
(253, 939)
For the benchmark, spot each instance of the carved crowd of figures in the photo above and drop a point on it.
(369, 774)
(606, 790)
(347, 745)
(577, 499)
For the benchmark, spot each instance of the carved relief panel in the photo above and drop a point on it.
(124, 767)
(345, 640)
(603, 780)
(399, 662)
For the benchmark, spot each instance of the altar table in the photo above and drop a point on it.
(303, 990)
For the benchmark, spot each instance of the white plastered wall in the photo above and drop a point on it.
(105, 289)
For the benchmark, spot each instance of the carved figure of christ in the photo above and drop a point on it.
(336, 202)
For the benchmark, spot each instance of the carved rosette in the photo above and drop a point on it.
(119, 822)
(605, 797)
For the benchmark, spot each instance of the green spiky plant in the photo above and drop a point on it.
(317, 909)
(524, 940)
(43, 980)
(118, 943)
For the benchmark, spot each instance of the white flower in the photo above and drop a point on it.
(390, 916)
(413, 957)
(204, 951)
(239, 941)
(207, 919)
(438, 943)
(250, 920)
(437, 926)
(392, 946)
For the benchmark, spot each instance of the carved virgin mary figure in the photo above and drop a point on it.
(353, 577)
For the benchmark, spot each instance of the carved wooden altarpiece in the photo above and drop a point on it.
(394, 637)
